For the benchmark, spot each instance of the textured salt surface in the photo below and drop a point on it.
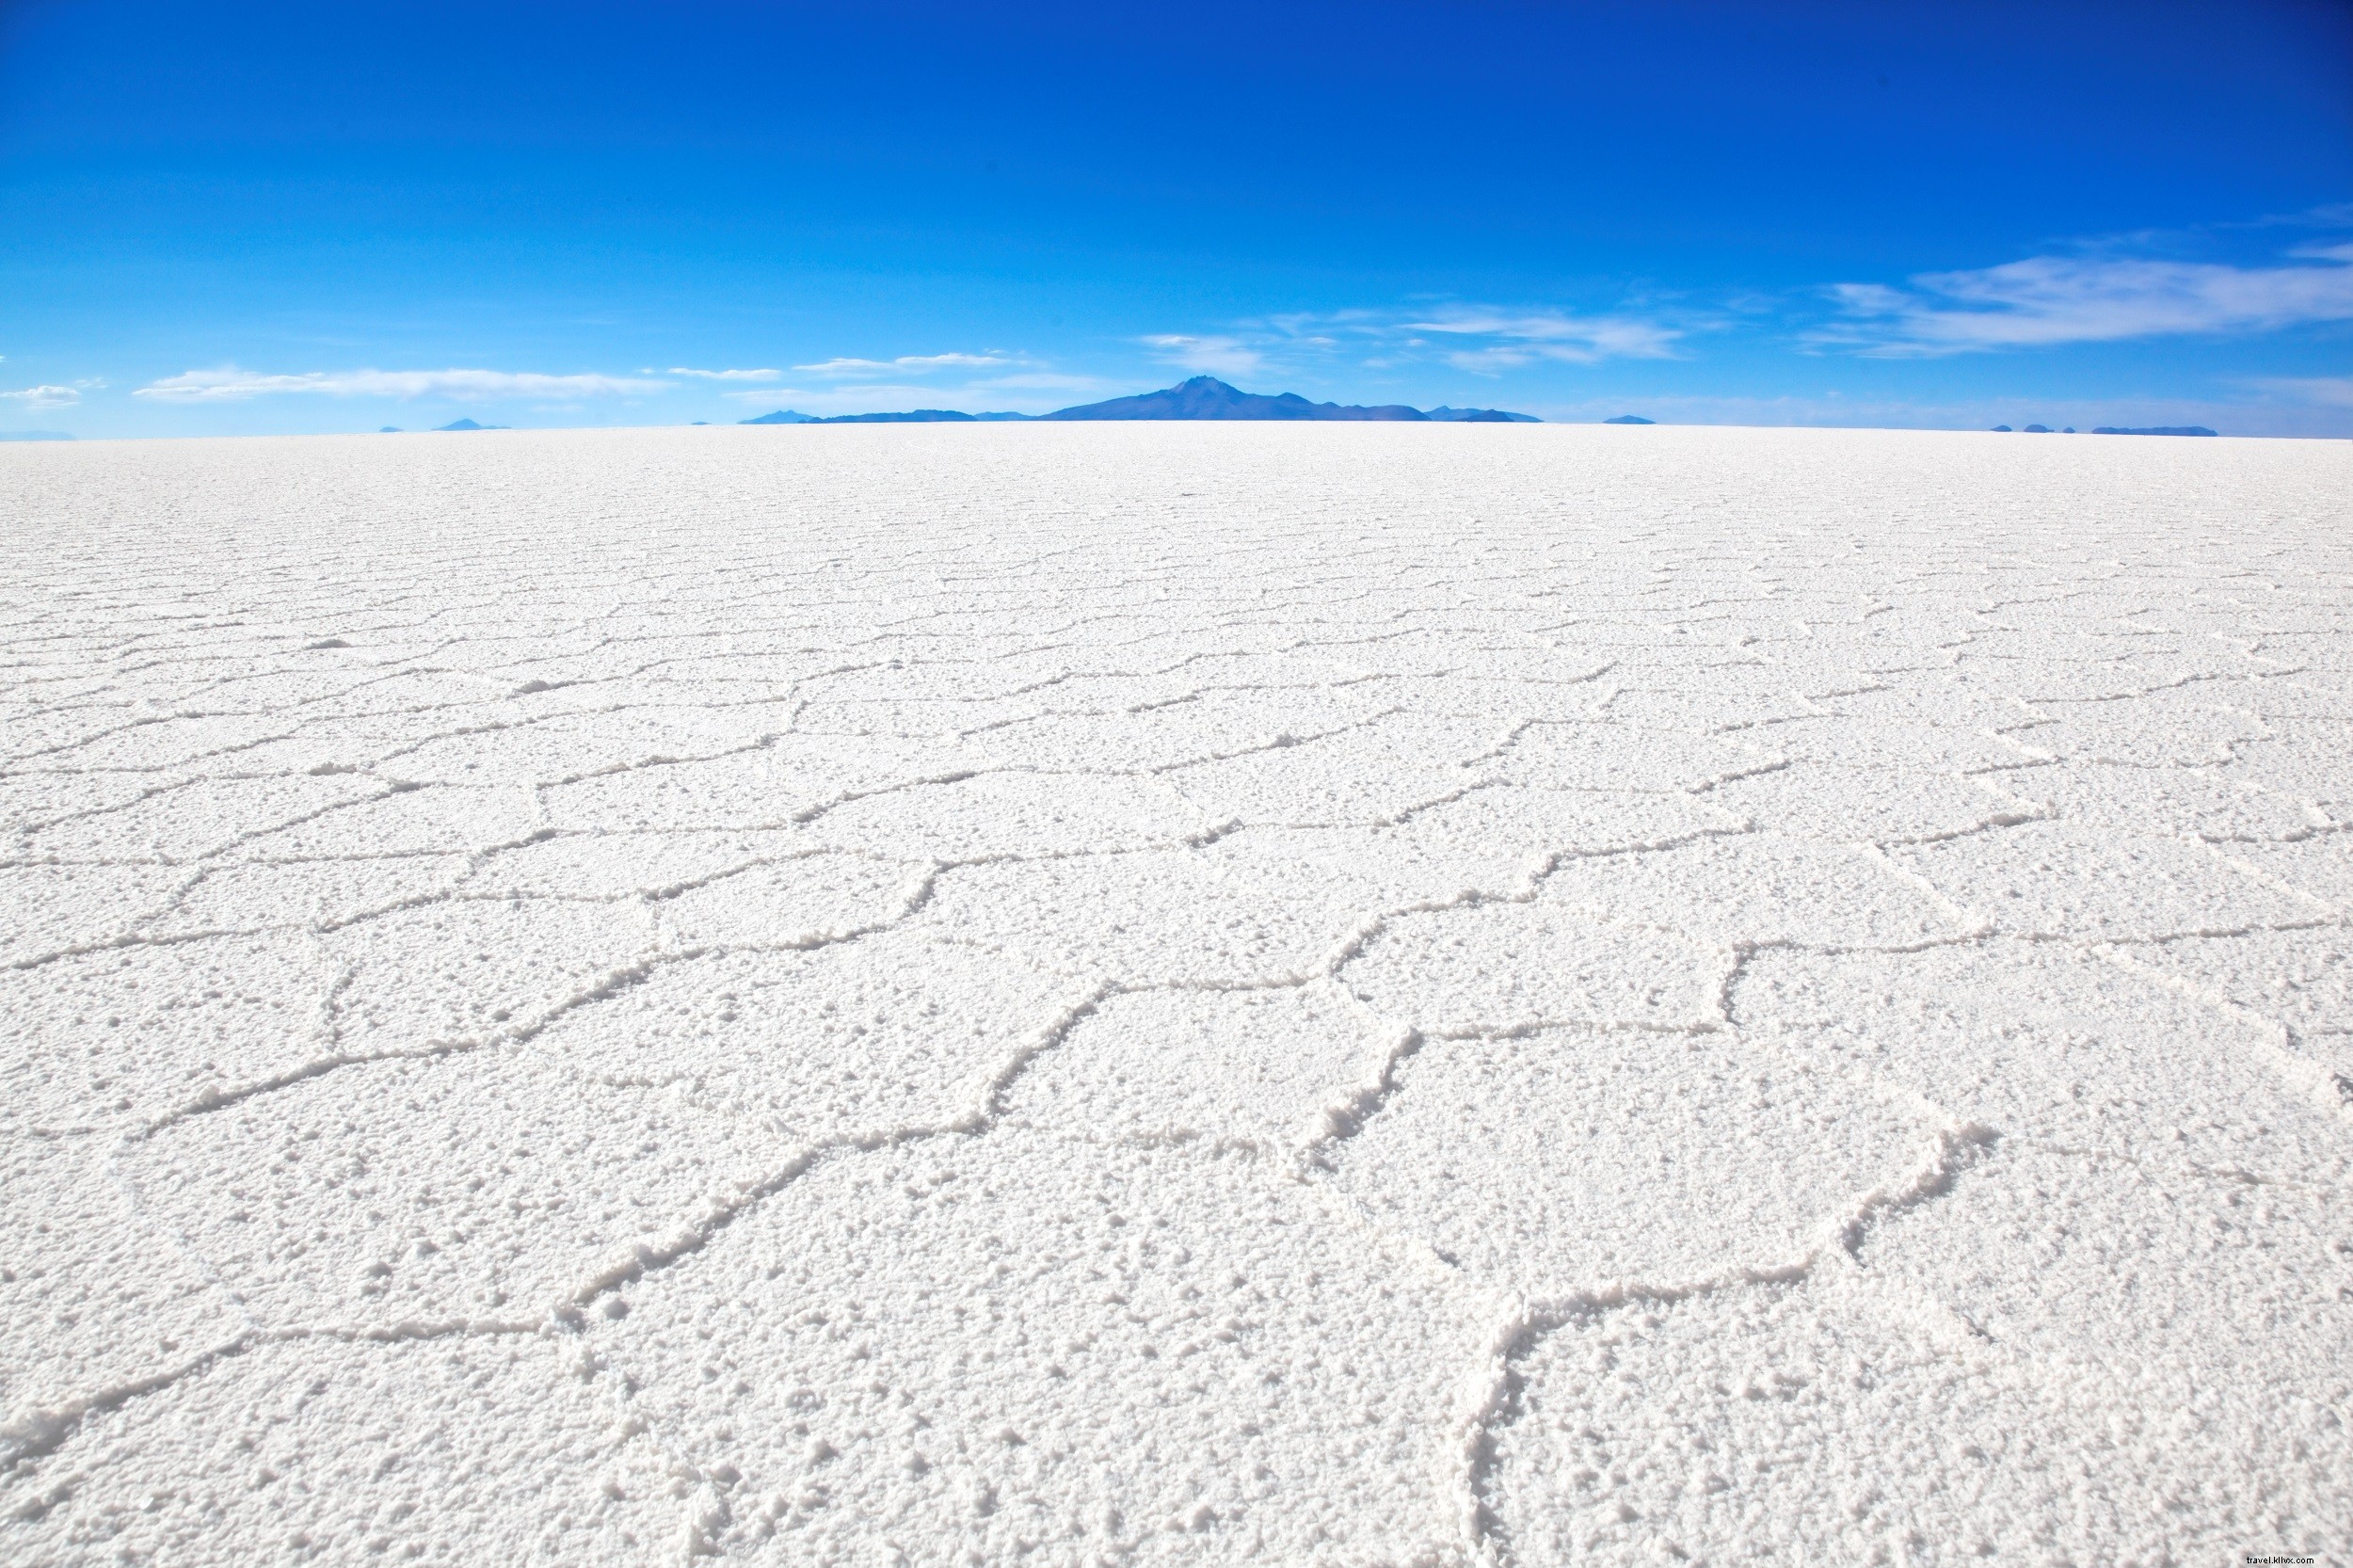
(1176, 994)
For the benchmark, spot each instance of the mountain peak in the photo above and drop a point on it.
(1206, 397)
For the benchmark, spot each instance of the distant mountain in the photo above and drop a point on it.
(1206, 397)
(1203, 397)
(390, 430)
(1629, 419)
(34, 436)
(1480, 416)
(467, 424)
(2153, 430)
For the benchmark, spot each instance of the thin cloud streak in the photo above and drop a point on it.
(718, 375)
(905, 364)
(2335, 390)
(2048, 300)
(1028, 392)
(229, 384)
(1525, 338)
(1483, 339)
(1216, 356)
(866, 397)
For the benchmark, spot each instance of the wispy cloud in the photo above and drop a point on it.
(865, 397)
(905, 364)
(1222, 356)
(1519, 337)
(1025, 392)
(2335, 390)
(1486, 340)
(229, 384)
(718, 375)
(2047, 300)
(35, 398)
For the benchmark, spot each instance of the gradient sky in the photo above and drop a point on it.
(235, 218)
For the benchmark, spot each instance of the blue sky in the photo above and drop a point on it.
(237, 219)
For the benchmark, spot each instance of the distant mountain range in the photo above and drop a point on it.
(1203, 397)
(1629, 419)
(459, 425)
(1478, 416)
(1206, 397)
(2118, 430)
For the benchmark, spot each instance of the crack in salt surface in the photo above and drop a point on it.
(1950, 1153)
(908, 638)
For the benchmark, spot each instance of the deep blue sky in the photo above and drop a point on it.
(230, 218)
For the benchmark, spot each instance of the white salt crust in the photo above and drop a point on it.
(1176, 994)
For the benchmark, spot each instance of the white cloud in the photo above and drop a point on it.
(44, 397)
(1208, 356)
(229, 384)
(720, 374)
(1024, 392)
(905, 364)
(1489, 361)
(1522, 337)
(1483, 339)
(2045, 300)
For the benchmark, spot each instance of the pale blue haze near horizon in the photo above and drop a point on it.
(253, 218)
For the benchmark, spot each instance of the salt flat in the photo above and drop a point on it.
(1177, 993)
